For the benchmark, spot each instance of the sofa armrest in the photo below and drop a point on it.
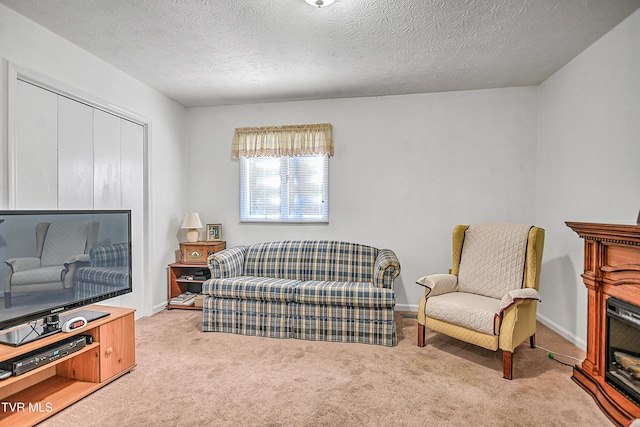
(23, 263)
(386, 268)
(438, 284)
(227, 262)
(113, 255)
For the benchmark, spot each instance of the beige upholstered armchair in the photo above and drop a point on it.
(60, 246)
(489, 298)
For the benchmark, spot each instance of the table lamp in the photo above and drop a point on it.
(192, 222)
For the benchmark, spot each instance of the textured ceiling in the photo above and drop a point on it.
(215, 52)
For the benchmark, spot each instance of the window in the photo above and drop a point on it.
(284, 172)
(284, 189)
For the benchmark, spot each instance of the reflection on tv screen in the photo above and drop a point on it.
(52, 261)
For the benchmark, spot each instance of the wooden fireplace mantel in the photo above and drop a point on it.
(611, 269)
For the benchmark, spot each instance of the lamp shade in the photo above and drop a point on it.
(192, 222)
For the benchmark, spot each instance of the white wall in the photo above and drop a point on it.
(588, 163)
(33, 47)
(406, 170)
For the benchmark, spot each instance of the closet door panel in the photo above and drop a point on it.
(36, 160)
(75, 154)
(107, 192)
(132, 161)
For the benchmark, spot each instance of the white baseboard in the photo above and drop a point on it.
(158, 307)
(569, 336)
(406, 307)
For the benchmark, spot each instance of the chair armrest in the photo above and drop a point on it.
(22, 264)
(84, 258)
(438, 284)
(227, 262)
(518, 315)
(386, 268)
(517, 295)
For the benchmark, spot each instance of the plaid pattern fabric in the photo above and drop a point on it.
(112, 276)
(112, 280)
(227, 263)
(344, 294)
(258, 318)
(84, 290)
(108, 271)
(345, 330)
(377, 314)
(251, 288)
(313, 290)
(386, 269)
(110, 255)
(311, 260)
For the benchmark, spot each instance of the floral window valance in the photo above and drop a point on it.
(283, 141)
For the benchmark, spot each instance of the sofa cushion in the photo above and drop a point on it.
(470, 311)
(54, 273)
(251, 288)
(353, 294)
(311, 260)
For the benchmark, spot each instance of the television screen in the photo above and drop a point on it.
(55, 261)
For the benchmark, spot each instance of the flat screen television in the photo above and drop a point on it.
(54, 261)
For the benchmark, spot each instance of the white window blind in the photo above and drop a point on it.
(284, 189)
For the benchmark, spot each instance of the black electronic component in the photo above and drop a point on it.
(34, 359)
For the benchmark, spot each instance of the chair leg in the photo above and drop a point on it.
(421, 334)
(532, 341)
(7, 300)
(507, 365)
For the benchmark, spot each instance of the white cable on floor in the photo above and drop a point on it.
(552, 355)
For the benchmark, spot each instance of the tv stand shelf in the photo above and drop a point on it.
(32, 397)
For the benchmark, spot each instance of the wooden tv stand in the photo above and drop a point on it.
(32, 397)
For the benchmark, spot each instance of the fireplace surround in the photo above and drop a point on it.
(612, 278)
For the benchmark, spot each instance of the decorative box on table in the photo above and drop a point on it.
(198, 252)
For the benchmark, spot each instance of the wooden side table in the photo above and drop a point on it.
(193, 259)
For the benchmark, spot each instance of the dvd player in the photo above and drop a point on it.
(34, 359)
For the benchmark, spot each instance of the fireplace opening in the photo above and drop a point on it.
(623, 348)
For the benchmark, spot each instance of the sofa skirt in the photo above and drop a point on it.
(247, 317)
(344, 324)
(365, 325)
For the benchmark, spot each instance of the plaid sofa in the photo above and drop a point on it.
(108, 271)
(310, 289)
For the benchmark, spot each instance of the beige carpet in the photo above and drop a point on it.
(186, 377)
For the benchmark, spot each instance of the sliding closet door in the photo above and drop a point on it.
(75, 154)
(132, 181)
(107, 190)
(35, 157)
(132, 173)
(70, 153)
